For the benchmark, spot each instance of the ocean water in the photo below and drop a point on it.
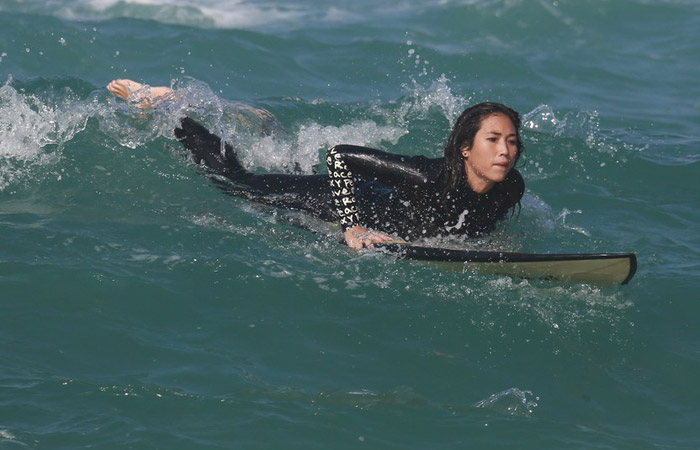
(142, 308)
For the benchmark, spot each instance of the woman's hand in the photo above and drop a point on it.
(359, 236)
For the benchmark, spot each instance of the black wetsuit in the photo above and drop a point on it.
(395, 194)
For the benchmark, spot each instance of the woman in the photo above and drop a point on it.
(378, 196)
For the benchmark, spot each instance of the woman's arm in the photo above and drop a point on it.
(345, 162)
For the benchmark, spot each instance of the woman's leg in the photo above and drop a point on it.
(310, 193)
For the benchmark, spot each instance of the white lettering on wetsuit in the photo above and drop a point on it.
(342, 190)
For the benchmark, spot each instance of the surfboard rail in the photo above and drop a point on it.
(590, 268)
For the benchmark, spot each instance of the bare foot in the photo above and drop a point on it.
(140, 95)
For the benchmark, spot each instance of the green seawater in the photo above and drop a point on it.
(141, 307)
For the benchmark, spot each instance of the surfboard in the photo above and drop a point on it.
(589, 268)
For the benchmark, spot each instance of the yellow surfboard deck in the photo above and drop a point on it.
(589, 268)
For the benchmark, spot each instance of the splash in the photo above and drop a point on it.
(570, 144)
(33, 131)
(134, 127)
(575, 124)
(424, 97)
(541, 119)
(562, 216)
(513, 401)
(303, 153)
(581, 125)
(437, 95)
(303, 150)
(260, 140)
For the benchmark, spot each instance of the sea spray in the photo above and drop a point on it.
(33, 131)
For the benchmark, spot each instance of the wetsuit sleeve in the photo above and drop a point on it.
(342, 190)
(346, 163)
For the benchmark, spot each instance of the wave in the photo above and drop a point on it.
(68, 116)
(41, 117)
(300, 14)
(240, 14)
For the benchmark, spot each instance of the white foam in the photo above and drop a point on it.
(4, 434)
(307, 147)
(238, 14)
(33, 132)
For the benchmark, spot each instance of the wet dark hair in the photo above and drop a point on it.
(464, 131)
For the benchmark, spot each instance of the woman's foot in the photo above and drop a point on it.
(139, 95)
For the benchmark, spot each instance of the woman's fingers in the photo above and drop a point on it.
(358, 237)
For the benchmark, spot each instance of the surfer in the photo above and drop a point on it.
(378, 196)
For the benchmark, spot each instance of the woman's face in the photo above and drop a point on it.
(492, 154)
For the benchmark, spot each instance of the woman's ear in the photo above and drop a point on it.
(465, 151)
